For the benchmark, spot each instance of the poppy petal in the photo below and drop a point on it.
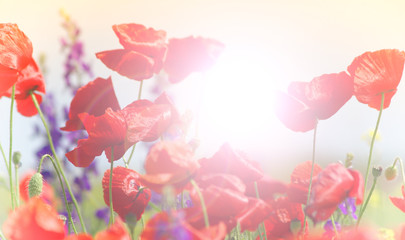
(128, 63)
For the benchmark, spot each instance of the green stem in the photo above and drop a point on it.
(17, 186)
(371, 148)
(368, 199)
(261, 225)
(2, 236)
(62, 186)
(312, 174)
(204, 208)
(4, 156)
(154, 206)
(110, 188)
(334, 226)
(133, 147)
(11, 148)
(58, 163)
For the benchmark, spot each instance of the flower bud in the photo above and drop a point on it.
(377, 171)
(17, 158)
(390, 173)
(349, 160)
(35, 185)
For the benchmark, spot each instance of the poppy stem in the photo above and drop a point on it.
(10, 173)
(59, 166)
(2, 236)
(334, 226)
(4, 156)
(371, 149)
(261, 225)
(110, 188)
(133, 147)
(362, 210)
(204, 208)
(17, 186)
(62, 186)
(312, 174)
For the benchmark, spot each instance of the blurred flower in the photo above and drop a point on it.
(375, 73)
(308, 102)
(35, 220)
(129, 196)
(142, 56)
(191, 54)
(103, 214)
(169, 163)
(93, 98)
(399, 202)
(334, 184)
(330, 230)
(15, 54)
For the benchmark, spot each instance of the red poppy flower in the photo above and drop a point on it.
(375, 73)
(115, 232)
(300, 177)
(47, 191)
(29, 80)
(142, 56)
(35, 220)
(399, 202)
(129, 196)
(308, 102)
(15, 54)
(334, 184)
(278, 225)
(171, 225)
(255, 213)
(169, 163)
(191, 54)
(93, 98)
(267, 188)
(140, 121)
(227, 161)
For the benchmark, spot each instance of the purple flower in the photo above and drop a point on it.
(103, 214)
(349, 205)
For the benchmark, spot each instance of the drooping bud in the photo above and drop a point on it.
(377, 171)
(17, 159)
(35, 185)
(390, 173)
(349, 160)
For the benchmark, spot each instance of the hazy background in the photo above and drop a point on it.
(268, 45)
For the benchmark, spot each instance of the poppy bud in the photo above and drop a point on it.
(35, 185)
(349, 160)
(377, 171)
(390, 173)
(17, 158)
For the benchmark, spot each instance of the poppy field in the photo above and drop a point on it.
(175, 193)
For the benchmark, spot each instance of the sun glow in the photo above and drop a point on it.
(238, 95)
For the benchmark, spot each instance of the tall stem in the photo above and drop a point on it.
(62, 186)
(58, 162)
(312, 173)
(4, 156)
(204, 208)
(110, 188)
(362, 210)
(133, 147)
(371, 148)
(10, 173)
(261, 225)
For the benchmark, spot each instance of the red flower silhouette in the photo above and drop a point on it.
(308, 102)
(142, 120)
(143, 52)
(375, 73)
(35, 220)
(169, 163)
(171, 225)
(191, 54)
(93, 98)
(129, 196)
(300, 177)
(399, 202)
(333, 185)
(15, 54)
(227, 161)
(115, 232)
